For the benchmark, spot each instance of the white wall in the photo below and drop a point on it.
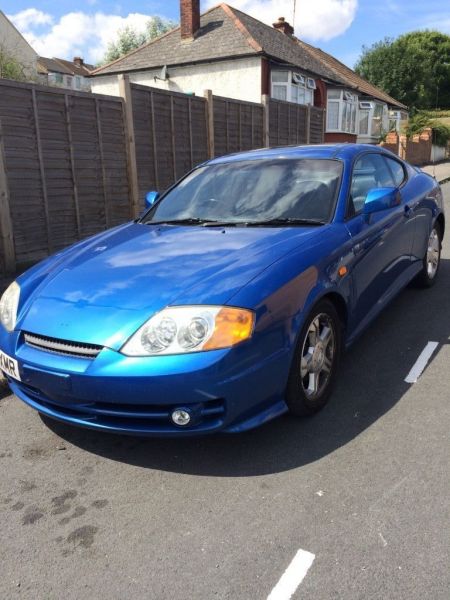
(239, 78)
(437, 153)
(16, 45)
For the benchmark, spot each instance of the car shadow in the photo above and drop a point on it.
(4, 389)
(370, 383)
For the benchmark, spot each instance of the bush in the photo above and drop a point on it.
(421, 121)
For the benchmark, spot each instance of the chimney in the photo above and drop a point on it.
(189, 18)
(78, 61)
(284, 26)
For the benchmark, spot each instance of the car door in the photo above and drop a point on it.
(381, 242)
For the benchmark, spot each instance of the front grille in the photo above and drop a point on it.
(67, 348)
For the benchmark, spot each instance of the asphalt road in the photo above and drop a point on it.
(363, 486)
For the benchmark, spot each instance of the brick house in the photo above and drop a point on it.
(13, 44)
(72, 75)
(237, 56)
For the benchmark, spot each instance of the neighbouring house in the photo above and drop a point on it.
(13, 44)
(72, 75)
(235, 55)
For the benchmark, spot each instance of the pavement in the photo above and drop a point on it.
(441, 171)
(359, 492)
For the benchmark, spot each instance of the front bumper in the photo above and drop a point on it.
(225, 390)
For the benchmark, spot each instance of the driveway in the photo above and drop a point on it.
(359, 493)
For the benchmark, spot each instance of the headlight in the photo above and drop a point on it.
(8, 306)
(183, 329)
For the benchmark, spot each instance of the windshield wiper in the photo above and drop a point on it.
(189, 221)
(287, 221)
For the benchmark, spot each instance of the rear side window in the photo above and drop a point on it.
(397, 171)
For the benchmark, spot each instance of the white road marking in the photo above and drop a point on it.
(293, 576)
(421, 362)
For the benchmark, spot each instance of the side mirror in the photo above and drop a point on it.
(150, 199)
(378, 199)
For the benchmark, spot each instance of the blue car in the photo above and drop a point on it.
(230, 300)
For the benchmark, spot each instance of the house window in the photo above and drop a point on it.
(364, 121)
(292, 86)
(377, 120)
(77, 82)
(342, 108)
(56, 78)
(69, 80)
(397, 119)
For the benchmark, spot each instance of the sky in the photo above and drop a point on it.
(341, 27)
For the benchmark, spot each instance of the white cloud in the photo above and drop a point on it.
(74, 34)
(88, 34)
(30, 17)
(316, 20)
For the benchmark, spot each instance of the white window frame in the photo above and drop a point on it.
(348, 116)
(296, 93)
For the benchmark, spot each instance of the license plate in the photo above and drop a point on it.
(9, 366)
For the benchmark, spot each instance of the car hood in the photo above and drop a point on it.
(100, 292)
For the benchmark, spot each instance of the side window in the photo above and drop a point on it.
(370, 171)
(397, 170)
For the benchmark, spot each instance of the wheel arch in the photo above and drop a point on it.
(441, 222)
(337, 300)
(340, 305)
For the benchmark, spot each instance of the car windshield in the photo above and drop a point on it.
(295, 191)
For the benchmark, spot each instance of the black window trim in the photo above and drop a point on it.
(395, 159)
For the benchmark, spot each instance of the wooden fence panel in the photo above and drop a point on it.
(113, 155)
(57, 177)
(238, 125)
(288, 123)
(87, 165)
(170, 135)
(65, 163)
(23, 172)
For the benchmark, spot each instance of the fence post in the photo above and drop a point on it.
(210, 122)
(324, 124)
(125, 93)
(265, 100)
(308, 124)
(6, 229)
(402, 146)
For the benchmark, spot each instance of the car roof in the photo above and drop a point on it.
(338, 151)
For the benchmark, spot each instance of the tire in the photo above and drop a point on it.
(432, 259)
(313, 372)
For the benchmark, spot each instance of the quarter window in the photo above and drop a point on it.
(397, 171)
(370, 171)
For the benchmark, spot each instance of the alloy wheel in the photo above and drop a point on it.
(317, 356)
(433, 253)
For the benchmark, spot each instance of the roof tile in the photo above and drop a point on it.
(226, 32)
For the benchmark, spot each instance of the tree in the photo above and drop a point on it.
(414, 68)
(128, 38)
(10, 67)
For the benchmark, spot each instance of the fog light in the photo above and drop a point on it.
(181, 417)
